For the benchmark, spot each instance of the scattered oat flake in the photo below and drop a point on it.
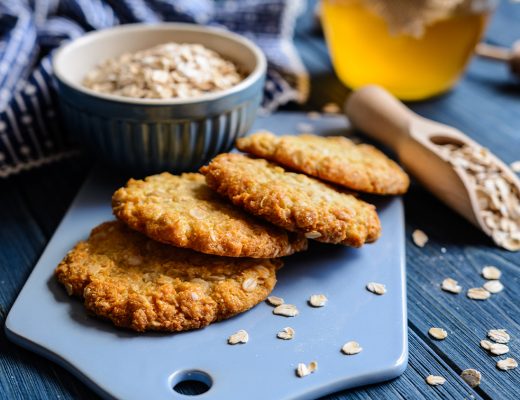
(286, 310)
(515, 166)
(485, 344)
(302, 370)
(312, 235)
(478, 294)
(313, 366)
(313, 115)
(351, 348)
(493, 286)
(275, 300)
(318, 300)
(499, 335)
(491, 273)
(377, 288)
(451, 285)
(286, 333)
(331, 108)
(435, 380)
(304, 127)
(239, 337)
(498, 349)
(471, 377)
(438, 333)
(507, 364)
(443, 250)
(419, 238)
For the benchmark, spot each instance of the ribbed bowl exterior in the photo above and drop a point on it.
(155, 138)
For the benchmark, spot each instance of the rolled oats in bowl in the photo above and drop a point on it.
(165, 71)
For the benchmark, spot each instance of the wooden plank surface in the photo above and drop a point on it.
(486, 105)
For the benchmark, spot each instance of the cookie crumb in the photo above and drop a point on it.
(419, 238)
(239, 337)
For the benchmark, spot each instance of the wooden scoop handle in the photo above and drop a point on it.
(384, 118)
(380, 115)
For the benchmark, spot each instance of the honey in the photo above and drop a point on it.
(364, 49)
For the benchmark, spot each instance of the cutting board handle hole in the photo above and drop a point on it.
(190, 382)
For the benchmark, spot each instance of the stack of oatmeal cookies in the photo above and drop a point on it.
(193, 249)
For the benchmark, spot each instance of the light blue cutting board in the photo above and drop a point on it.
(122, 364)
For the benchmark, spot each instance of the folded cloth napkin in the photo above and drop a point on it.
(30, 128)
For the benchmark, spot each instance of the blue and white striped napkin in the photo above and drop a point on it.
(30, 126)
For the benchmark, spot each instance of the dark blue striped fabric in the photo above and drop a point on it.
(30, 128)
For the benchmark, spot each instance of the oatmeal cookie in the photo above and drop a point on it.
(335, 159)
(185, 212)
(141, 284)
(293, 201)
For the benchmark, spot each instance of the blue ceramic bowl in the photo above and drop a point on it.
(152, 135)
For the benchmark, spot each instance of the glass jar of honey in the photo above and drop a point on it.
(413, 48)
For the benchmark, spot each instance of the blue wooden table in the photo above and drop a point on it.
(485, 105)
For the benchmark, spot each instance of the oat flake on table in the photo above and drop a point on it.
(318, 300)
(499, 335)
(493, 286)
(419, 238)
(478, 294)
(376, 288)
(169, 70)
(286, 310)
(472, 377)
(435, 380)
(351, 348)
(438, 333)
(507, 364)
(451, 285)
(275, 300)
(491, 273)
(286, 333)
(239, 337)
(498, 349)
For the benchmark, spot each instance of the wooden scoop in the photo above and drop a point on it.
(511, 56)
(418, 143)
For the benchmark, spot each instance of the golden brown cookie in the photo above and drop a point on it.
(141, 284)
(335, 159)
(293, 201)
(185, 212)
